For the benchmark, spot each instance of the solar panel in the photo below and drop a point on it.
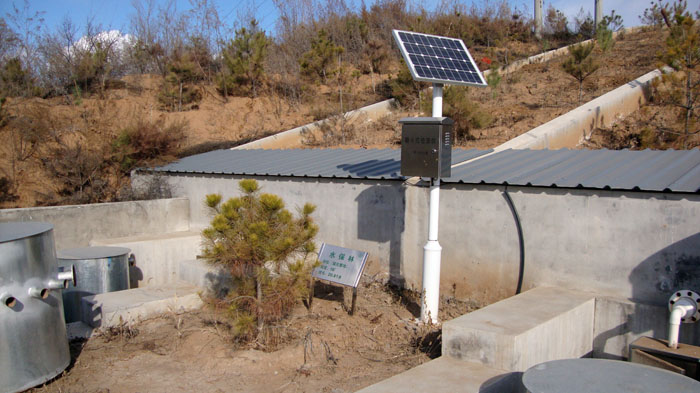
(436, 59)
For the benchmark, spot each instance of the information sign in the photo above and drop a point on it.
(340, 265)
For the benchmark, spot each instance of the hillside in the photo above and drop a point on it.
(80, 149)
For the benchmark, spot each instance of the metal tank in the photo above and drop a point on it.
(33, 342)
(101, 269)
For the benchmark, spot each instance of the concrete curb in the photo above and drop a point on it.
(545, 56)
(291, 138)
(572, 128)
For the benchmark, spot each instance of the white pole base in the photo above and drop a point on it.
(430, 299)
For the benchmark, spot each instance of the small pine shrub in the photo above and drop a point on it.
(580, 64)
(267, 252)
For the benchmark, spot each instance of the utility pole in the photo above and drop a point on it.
(598, 12)
(538, 19)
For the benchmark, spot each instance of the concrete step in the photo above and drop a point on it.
(215, 280)
(133, 305)
(157, 256)
(449, 375)
(517, 333)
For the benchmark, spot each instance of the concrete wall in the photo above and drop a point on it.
(633, 245)
(361, 214)
(632, 249)
(77, 225)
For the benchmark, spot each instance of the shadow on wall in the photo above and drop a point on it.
(653, 281)
(666, 271)
(380, 218)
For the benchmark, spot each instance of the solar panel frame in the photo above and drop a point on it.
(437, 59)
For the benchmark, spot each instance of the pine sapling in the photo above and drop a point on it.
(580, 64)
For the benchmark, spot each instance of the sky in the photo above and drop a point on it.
(115, 14)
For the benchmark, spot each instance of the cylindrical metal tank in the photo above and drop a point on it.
(33, 341)
(100, 270)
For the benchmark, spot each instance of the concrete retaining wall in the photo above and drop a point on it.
(570, 129)
(293, 138)
(77, 225)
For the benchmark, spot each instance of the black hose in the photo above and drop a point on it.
(521, 239)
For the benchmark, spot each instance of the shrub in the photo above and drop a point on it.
(146, 142)
(7, 190)
(466, 113)
(266, 250)
(81, 171)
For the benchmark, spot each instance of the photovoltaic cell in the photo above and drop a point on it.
(437, 59)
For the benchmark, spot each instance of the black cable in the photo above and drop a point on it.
(520, 238)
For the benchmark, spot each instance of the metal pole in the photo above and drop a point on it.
(598, 13)
(432, 251)
(437, 100)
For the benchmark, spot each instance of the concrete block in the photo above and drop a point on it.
(157, 256)
(519, 332)
(448, 375)
(133, 305)
(216, 281)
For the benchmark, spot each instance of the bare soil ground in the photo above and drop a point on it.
(322, 350)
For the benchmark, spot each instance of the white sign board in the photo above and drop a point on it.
(340, 265)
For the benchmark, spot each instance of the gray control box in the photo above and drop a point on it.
(426, 146)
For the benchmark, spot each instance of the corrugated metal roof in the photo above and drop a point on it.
(333, 163)
(646, 170)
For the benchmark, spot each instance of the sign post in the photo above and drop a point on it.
(339, 265)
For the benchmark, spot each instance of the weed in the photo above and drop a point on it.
(123, 331)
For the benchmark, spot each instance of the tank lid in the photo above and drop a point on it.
(10, 231)
(603, 375)
(92, 252)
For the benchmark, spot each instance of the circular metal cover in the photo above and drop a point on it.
(604, 376)
(691, 295)
(92, 252)
(10, 231)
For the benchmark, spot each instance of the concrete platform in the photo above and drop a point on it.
(449, 375)
(517, 333)
(157, 256)
(132, 305)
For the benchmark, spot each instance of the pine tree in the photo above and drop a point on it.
(318, 61)
(178, 88)
(244, 59)
(682, 53)
(580, 64)
(266, 251)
